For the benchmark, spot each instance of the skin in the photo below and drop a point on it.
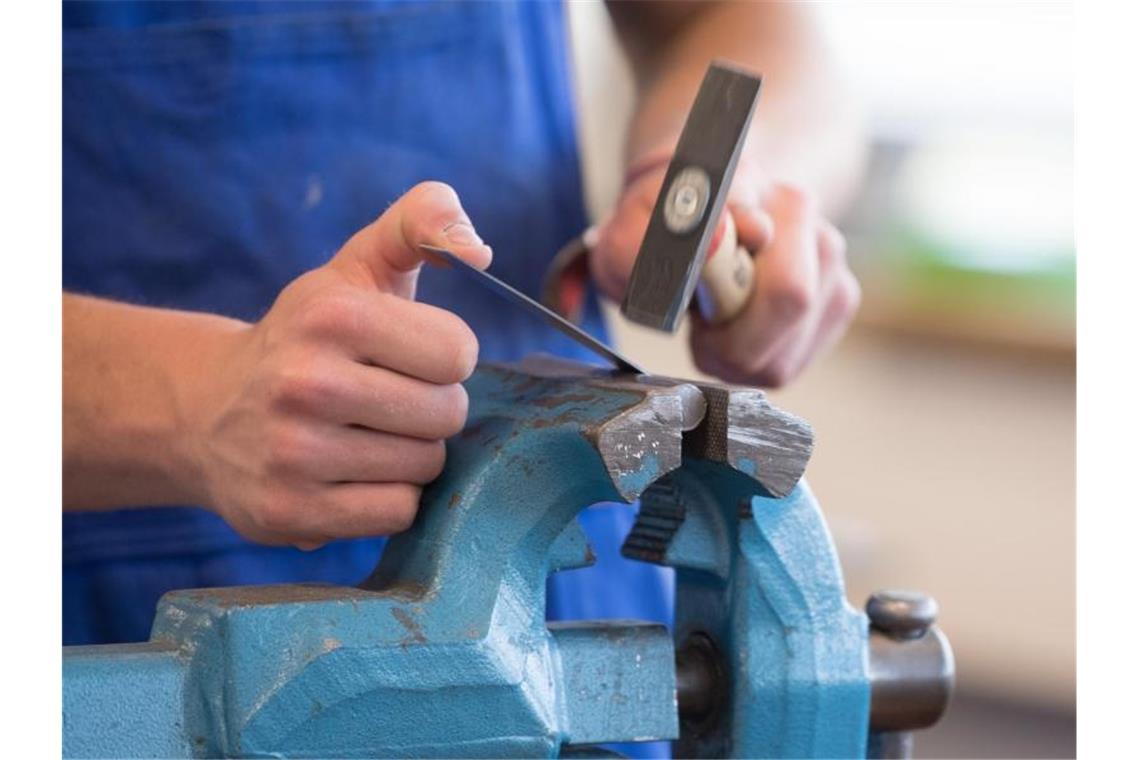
(325, 418)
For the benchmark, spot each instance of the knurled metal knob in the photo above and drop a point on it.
(902, 614)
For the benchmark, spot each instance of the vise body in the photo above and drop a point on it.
(444, 650)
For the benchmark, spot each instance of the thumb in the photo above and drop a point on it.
(386, 254)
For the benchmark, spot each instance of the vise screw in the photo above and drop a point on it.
(444, 650)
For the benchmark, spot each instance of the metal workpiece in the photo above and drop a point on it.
(692, 398)
(513, 296)
(444, 650)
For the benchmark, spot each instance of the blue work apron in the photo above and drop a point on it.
(212, 152)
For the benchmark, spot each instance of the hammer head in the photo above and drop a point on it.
(684, 218)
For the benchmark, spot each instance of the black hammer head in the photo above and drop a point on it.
(676, 243)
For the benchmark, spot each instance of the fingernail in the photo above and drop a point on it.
(462, 233)
(592, 234)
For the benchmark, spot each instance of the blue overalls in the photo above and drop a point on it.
(213, 152)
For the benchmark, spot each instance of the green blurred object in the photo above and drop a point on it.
(936, 273)
(975, 240)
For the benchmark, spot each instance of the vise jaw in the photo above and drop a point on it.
(444, 651)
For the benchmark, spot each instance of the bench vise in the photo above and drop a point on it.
(444, 650)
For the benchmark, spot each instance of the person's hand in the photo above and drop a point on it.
(804, 295)
(324, 419)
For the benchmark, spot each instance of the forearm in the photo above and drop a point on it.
(130, 377)
(806, 128)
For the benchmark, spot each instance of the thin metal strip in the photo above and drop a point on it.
(444, 257)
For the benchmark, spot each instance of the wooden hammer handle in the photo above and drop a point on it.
(727, 278)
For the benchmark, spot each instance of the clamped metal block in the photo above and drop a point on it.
(444, 650)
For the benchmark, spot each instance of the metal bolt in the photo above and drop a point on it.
(911, 669)
(902, 614)
(686, 200)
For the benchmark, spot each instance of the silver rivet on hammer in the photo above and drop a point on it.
(687, 199)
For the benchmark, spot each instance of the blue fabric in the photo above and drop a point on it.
(212, 152)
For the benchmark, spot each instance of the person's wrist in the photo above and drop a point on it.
(646, 164)
(200, 386)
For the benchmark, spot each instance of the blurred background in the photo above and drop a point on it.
(945, 422)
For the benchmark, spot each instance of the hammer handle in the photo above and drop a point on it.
(727, 277)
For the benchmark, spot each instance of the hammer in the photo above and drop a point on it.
(684, 250)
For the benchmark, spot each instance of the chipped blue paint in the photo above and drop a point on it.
(746, 465)
(636, 481)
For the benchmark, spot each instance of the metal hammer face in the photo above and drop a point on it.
(684, 218)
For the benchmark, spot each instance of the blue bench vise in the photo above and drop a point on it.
(444, 650)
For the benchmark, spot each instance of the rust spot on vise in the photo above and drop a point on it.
(471, 431)
(542, 422)
(293, 593)
(411, 625)
(454, 500)
(549, 402)
(405, 590)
